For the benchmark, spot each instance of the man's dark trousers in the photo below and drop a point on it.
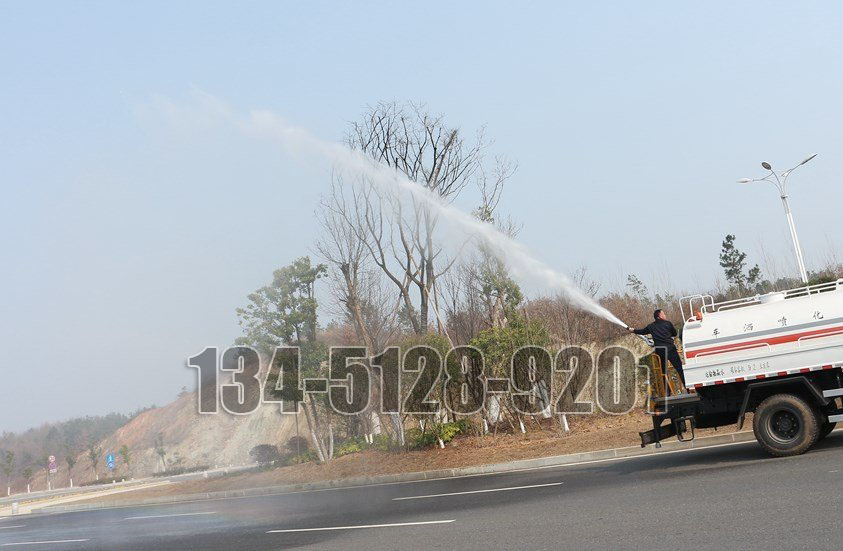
(666, 353)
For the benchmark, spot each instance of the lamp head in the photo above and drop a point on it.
(766, 165)
(744, 180)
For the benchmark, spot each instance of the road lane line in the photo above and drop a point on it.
(172, 515)
(393, 525)
(436, 479)
(15, 526)
(478, 491)
(42, 542)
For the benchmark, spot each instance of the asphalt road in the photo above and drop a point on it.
(731, 496)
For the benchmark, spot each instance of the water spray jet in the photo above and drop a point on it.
(513, 254)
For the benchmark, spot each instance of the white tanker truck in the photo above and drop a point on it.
(778, 355)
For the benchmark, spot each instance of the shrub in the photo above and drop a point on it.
(298, 444)
(305, 457)
(350, 445)
(264, 454)
(416, 439)
(383, 442)
(446, 431)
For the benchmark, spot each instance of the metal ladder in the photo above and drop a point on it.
(656, 384)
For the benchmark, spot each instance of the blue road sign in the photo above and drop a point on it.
(109, 460)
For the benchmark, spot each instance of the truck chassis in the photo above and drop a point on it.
(789, 377)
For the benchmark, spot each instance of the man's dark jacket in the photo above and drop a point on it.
(662, 332)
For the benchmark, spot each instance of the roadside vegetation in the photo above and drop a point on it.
(392, 283)
(388, 279)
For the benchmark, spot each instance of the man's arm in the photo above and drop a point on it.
(673, 330)
(645, 331)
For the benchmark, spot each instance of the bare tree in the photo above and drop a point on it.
(464, 308)
(357, 288)
(480, 294)
(432, 154)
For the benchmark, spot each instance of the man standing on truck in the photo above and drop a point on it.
(663, 332)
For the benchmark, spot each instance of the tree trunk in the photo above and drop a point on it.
(398, 423)
(353, 305)
(311, 425)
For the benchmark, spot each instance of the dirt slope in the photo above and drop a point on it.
(221, 439)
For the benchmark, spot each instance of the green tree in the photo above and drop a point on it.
(160, 449)
(94, 453)
(638, 288)
(176, 461)
(124, 453)
(7, 465)
(27, 475)
(733, 262)
(498, 346)
(284, 313)
(499, 292)
(70, 458)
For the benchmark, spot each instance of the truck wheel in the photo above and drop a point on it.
(825, 429)
(785, 424)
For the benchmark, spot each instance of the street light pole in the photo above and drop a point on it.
(796, 247)
(781, 185)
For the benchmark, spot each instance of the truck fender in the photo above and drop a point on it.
(812, 389)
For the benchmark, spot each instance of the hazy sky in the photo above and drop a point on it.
(136, 213)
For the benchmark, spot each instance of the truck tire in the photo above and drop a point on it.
(785, 424)
(825, 429)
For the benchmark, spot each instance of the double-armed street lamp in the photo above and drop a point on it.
(780, 181)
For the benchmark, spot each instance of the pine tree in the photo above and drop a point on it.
(733, 262)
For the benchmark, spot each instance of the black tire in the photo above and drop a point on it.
(785, 424)
(825, 429)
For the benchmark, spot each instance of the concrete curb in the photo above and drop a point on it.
(523, 464)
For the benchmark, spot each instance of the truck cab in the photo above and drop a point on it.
(777, 355)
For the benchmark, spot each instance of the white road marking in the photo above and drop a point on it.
(15, 526)
(172, 515)
(361, 526)
(478, 491)
(495, 473)
(42, 542)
